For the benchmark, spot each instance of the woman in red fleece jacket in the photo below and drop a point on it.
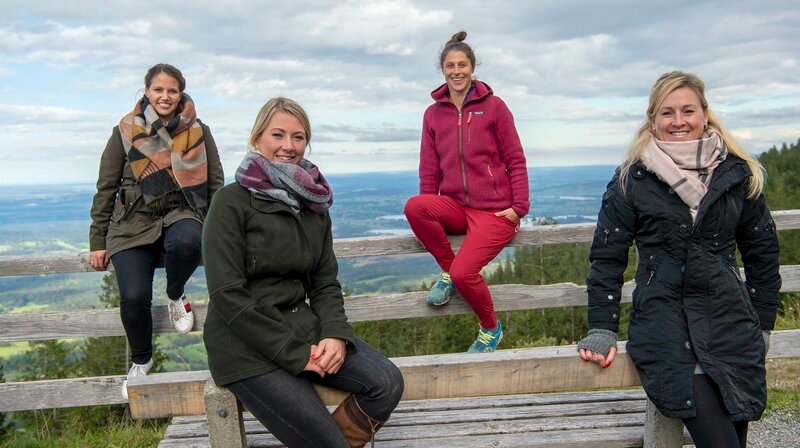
(473, 180)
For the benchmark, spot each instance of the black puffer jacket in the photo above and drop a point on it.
(690, 304)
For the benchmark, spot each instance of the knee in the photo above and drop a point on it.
(184, 245)
(414, 206)
(135, 299)
(389, 382)
(461, 275)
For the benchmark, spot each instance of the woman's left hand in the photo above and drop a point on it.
(329, 354)
(509, 214)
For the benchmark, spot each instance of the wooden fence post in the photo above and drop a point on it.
(224, 412)
(660, 431)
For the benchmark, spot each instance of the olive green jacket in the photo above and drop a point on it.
(119, 215)
(272, 285)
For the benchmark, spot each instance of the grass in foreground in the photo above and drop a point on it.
(120, 434)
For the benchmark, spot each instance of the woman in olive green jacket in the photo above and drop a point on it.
(157, 175)
(276, 321)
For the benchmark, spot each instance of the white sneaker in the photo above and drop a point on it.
(181, 314)
(136, 370)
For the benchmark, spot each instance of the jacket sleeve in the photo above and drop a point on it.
(430, 171)
(513, 157)
(325, 293)
(224, 254)
(616, 224)
(757, 240)
(216, 176)
(112, 163)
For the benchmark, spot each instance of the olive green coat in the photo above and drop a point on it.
(272, 285)
(119, 215)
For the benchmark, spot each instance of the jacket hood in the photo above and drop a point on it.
(442, 94)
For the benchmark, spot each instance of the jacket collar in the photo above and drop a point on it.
(730, 172)
(442, 93)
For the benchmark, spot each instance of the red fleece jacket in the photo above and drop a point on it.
(477, 158)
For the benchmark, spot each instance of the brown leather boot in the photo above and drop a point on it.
(358, 427)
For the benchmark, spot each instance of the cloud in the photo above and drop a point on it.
(375, 26)
(573, 73)
(377, 134)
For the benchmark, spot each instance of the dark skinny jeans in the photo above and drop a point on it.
(180, 244)
(290, 408)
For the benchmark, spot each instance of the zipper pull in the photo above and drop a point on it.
(607, 232)
(459, 119)
(469, 118)
(652, 273)
(488, 167)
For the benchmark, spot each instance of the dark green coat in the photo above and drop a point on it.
(262, 262)
(690, 304)
(119, 215)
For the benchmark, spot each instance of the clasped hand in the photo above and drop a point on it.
(326, 357)
(590, 356)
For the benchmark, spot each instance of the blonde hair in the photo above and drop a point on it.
(268, 110)
(666, 84)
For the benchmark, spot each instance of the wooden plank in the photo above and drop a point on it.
(106, 322)
(357, 247)
(47, 394)
(540, 369)
(459, 427)
(614, 437)
(543, 369)
(92, 323)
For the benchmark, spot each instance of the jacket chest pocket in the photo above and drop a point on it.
(274, 245)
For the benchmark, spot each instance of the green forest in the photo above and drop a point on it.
(535, 265)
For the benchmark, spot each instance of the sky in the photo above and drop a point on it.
(575, 74)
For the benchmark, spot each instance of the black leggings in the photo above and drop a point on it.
(180, 244)
(712, 427)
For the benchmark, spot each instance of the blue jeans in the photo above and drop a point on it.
(290, 408)
(180, 244)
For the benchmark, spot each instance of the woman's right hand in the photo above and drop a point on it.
(98, 259)
(312, 366)
(604, 361)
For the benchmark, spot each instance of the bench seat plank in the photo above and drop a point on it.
(612, 418)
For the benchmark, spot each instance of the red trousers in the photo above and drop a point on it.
(433, 217)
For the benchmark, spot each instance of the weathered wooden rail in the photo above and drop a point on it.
(452, 381)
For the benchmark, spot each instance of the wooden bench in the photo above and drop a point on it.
(470, 392)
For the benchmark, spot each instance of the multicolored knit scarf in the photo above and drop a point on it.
(686, 166)
(294, 185)
(167, 157)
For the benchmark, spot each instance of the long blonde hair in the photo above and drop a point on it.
(666, 84)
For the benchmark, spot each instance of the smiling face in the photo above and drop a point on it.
(283, 140)
(680, 117)
(457, 70)
(164, 95)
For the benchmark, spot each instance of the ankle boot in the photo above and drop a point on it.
(358, 428)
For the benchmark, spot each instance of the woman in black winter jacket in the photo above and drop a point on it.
(689, 195)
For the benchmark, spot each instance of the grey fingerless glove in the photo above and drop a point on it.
(766, 334)
(599, 341)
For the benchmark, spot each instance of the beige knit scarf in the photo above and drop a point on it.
(686, 166)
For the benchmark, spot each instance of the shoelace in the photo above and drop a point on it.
(484, 337)
(177, 311)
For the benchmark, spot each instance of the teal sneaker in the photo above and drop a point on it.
(487, 341)
(441, 290)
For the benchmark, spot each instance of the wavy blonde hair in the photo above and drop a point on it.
(666, 84)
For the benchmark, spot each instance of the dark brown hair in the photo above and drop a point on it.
(167, 70)
(456, 43)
